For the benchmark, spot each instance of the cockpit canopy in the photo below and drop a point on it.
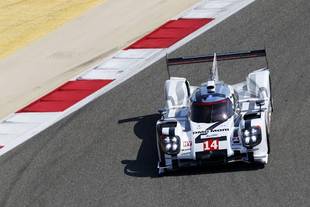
(212, 107)
(210, 112)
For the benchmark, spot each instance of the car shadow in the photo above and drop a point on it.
(145, 164)
(227, 168)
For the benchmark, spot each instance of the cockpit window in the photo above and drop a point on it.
(210, 112)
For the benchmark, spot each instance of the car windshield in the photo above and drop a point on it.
(210, 112)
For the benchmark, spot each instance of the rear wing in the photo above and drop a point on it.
(219, 57)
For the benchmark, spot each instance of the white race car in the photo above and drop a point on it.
(215, 122)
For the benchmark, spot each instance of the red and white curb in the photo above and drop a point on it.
(71, 96)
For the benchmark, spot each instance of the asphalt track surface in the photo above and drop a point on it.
(105, 155)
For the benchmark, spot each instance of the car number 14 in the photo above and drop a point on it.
(211, 145)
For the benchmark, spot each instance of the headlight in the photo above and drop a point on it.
(170, 145)
(174, 147)
(246, 133)
(174, 140)
(251, 136)
(253, 131)
(247, 140)
(167, 140)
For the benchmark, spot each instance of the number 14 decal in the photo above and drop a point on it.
(211, 145)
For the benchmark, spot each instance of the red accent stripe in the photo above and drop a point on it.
(1, 146)
(170, 33)
(209, 103)
(65, 96)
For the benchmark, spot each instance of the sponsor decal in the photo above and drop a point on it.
(211, 145)
(186, 152)
(187, 143)
(210, 131)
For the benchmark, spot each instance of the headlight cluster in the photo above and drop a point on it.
(251, 136)
(170, 145)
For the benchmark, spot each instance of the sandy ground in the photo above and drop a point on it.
(46, 63)
(22, 22)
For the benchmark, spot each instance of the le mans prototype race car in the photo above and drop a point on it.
(215, 122)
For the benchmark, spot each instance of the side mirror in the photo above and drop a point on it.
(162, 112)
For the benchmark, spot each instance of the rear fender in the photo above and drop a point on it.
(261, 78)
(177, 92)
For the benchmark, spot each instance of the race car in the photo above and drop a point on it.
(215, 123)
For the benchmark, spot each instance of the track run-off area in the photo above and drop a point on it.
(105, 153)
(22, 22)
